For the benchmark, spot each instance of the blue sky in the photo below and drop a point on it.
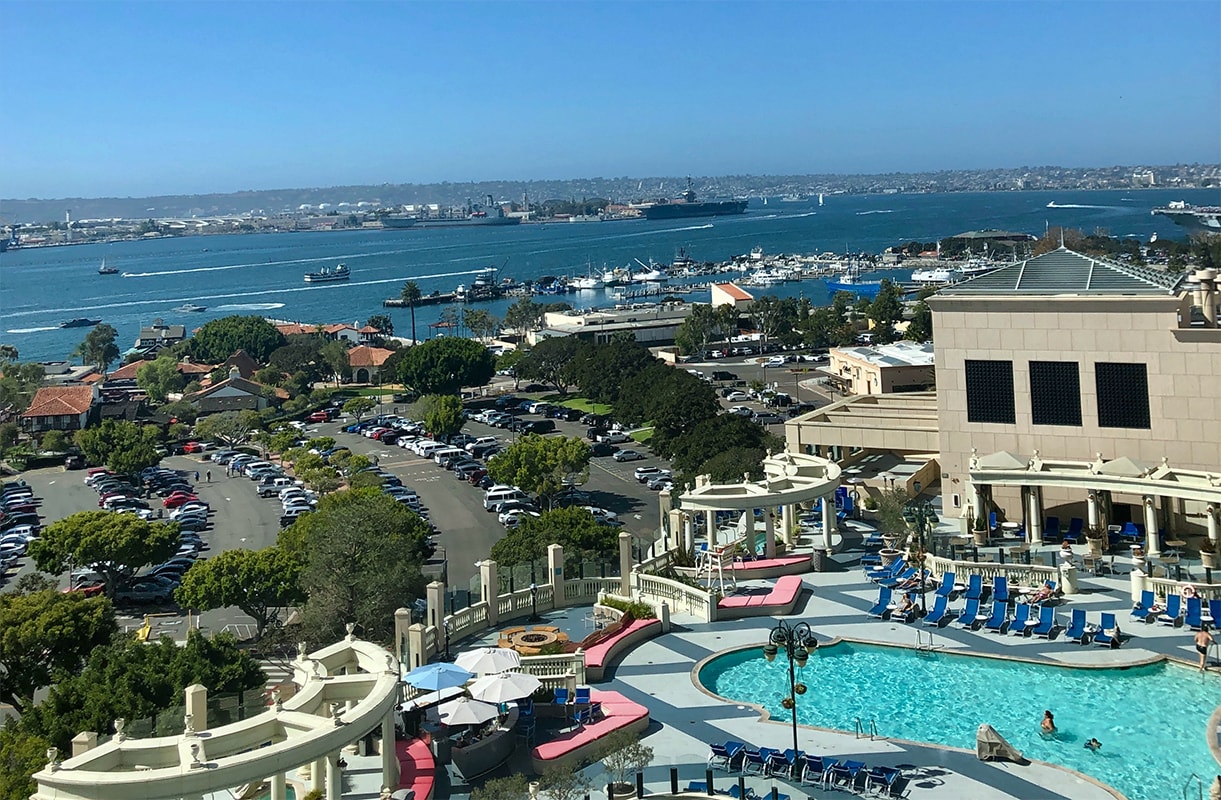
(158, 97)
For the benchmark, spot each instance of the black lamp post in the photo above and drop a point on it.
(920, 515)
(445, 626)
(534, 617)
(797, 640)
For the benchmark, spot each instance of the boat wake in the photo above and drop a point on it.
(797, 216)
(878, 211)
(250, 307)
(33, 330)
(1054, 204)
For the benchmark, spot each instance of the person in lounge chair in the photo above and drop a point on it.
(911, 583)
(909, 606)
(1044, 593)
(1048, 724)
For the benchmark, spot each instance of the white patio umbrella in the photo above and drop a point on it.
(465, 711)
(504, 687)
(488, 660)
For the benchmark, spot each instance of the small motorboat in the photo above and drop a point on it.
(190, 308)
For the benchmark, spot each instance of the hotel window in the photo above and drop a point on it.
(1055, 393)
(1123, 395)
(990, 391)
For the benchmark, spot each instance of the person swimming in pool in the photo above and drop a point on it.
(1093, 745)
(1049, 723)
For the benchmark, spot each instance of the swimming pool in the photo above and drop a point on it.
(1150, 719)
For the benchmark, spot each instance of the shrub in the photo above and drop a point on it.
(638, 610)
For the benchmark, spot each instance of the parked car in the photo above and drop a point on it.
(603, 449)
(156, 589)
(318, 416)
(179, 498)
(644, 474)
(767, 418)
(742, 411)
(627, 455)
(614, 437)
(74, 462)
(774, 361)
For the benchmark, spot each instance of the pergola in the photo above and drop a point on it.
(789, 479)
(348, 690)
(1097, 480)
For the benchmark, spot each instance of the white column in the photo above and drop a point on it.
(688, 533)
(625, 564)
(278, 792)
(828, 520)
(1152, 545)
(1091, 507)
(977, 504)
(769, 533)
(1210, 514)
(390, 759)
(334, 778)
(317, 774)
(1034, 515)
(489, 590)
(786, 522)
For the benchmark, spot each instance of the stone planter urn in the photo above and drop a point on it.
(890, 540)
(888, 555)
(1095, 545)
(1209, 558)
(981, 537)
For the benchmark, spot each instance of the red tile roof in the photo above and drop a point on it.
(60, 401)
(365, 356)
(734, 291)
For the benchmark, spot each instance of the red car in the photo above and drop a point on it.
(192, 447)
(102, 500)
(88, 590)
(179, 498)
(318, 416)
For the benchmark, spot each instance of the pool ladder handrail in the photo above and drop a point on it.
(873, 730)
(921, 646)
(1199, 787)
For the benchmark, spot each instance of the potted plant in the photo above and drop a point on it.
(1208, 553)
(980, 532)
(1095, 538)
(622, 756)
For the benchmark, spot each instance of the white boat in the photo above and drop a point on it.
(650, 276)
(105, 270)
(756, 254)
(190, 308)
(589, 283)
(616, 277)
(936, 277)
(326, 275)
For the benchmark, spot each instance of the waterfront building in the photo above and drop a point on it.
(60, 408)
(651, 324)
(153, 338)
(884, 369)
(730, 294)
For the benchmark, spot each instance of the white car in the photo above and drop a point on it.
(774, 361)
(643, 474)
(737, 397)
(602, 515)
(742, 411)
(511, 519)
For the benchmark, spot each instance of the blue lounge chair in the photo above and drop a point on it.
(795, 760)
(581, 696)
(882, 573)
(1051, 529)
(975, 588)
(898, 789)
(1020, 614)
(874, 539)
(1173, 615)
(1076, 527)
(895, 580)
(946, 589)
(940, 613)
(816, 770)
(777, 764)
(756, 760)
(846, 774)
(561, 696)
(737, 794)
(880, 779)
(993, 523)
(871, 560)
(698, 786)
(1144, 609)
(726, 755)
(1195, 611)
(882, 609)
(1131, 533)
(969, 613)
(1214, 611)
(911, 613)
(1108, 634)
(1077, 630)
(1000, 589)
(1047, 622)
(999, 618)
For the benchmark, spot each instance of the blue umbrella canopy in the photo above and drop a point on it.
(435, 677)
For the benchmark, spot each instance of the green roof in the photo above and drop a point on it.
(1063, 271)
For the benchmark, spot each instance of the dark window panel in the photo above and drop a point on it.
(1123, 395)
(990, 392)
(1055, 393)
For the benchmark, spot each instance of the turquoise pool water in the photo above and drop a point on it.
(1151, 720)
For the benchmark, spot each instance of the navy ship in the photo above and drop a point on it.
(686, 205)
(468, 216)
(1195, 219)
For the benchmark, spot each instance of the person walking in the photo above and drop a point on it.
(197, 476)
(1204, 640)
(208, 475)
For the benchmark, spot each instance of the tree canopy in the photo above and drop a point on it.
(524, 315)
(44, 634)
(361, 553)
(445, 365)
(99, 348)
(123, 446)
(703, 326)
(21, 755)
(544, 465)
(115, 546)
(575, 529)
(259, 582)
(442, 415)
(19, 383)
(551, 362)
(383, 323)
(359, 406)
(221, 338)
(160, 377)
(231, 428)
(600, 370)
(719, 434)
(885, 310)
(673, 399)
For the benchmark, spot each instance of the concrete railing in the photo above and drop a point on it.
(523, 602)
(1164, 586)
(680, 597)
(1015, 574)
(587, 589)
(557, 670)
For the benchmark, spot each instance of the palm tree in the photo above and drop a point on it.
(411, 296)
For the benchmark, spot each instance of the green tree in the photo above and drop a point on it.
(775, 318)
(575, 529)
(259, 582)
(55, 441)
(445, 365)
(8, 353)
(480, 323)
(99, 348)
(551, 362)
(115, 546)
(719, 434)
(511, 360)
(512, 787)
(160, 377)
(383, 323)
(729, 466)
(543, 465)
(221, 338)
(133, 680)
(124, 447)
(673, 399)
(8, 435)
(361, 552)
(359, 406)
(231, 428)
(561, 782)
(885, 310)
(524, 315)
(21, 755)
(335, 354)
(411, 295)
(183, 411)
(623, 754)
(301, 353)
(442, 415)
(43, 634)
(600, 370)
(19, 383)
(920, 329)
(704, 325)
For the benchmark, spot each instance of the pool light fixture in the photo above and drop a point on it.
(797, 640)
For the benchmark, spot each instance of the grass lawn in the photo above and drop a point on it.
(579, 403)
(643, 436)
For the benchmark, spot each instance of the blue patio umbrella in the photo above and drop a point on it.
(435, 677)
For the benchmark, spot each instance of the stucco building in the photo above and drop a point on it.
(884, 369)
